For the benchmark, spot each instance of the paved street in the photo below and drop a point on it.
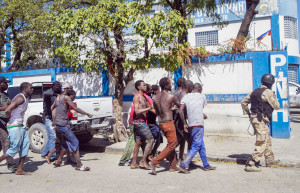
(106, 176)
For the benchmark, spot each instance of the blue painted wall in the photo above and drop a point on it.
(298, 11)
(288, 8)
(177, 74)
(8, 52)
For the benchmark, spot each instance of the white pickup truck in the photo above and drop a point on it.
(83, 127)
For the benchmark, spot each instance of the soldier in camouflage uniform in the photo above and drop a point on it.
(263, 102)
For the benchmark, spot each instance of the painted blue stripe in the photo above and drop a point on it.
(294, 60)
(8, 52)
(209, 97)
(84, 97)
(177, 74)
(128, 98)
(275, 32)
(105, 82)
(225, 97)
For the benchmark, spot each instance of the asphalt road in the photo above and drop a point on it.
(106, 176)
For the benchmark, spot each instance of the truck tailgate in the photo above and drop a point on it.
(98, 106)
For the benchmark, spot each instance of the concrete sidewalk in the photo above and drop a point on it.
(230, 148)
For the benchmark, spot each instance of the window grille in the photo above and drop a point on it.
(98, 45)
(207, 38)
(290, 27)
(128, 44)
(293, 73)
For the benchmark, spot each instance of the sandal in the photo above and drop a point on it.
(83, 168)
(57, 164)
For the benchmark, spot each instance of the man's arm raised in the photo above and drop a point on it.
(77, 109)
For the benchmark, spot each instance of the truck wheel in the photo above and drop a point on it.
(84, 137)
(38, 136)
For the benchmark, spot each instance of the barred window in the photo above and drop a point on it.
(129, 43)
(290, 27)
(98, 45)
(293, 73)
(207, 38)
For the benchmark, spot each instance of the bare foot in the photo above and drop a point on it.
(141, 164)
(173, 169)
(179, 162)
(134, 166)
(57, 163)
(158, 166)
(48, 159)
(150, 157)
(183, 170)
(146, 165)
(153, 168)
(22, 173)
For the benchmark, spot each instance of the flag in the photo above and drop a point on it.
(264, 35)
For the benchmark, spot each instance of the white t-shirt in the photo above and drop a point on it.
(194, 103)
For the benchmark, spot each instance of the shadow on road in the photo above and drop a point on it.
(32, 166)
(240, 158)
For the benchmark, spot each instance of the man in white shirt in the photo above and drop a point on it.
(194, 103)
(18, 135)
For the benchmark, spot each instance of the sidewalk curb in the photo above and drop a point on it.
(216, 158)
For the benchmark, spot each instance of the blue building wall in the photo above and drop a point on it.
(298, 11)
(288, 8)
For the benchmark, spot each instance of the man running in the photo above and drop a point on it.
(4, 102)
(163, 103)
(19, 140)
(61, 121)
(194, 103)
(142, 131)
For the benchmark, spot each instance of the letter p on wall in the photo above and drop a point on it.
(281, 118)
(276, 61)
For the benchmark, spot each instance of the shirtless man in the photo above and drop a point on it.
(163, 103)
(18, 135)
(141, 129)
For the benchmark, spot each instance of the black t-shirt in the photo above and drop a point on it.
(48, 99)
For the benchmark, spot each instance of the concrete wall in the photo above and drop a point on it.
(37, 78)
(292, 44)
(232, 77)
(257, 28)
(84, 84)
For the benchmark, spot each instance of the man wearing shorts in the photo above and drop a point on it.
(142, 131)
(17, 134)
(62, 123)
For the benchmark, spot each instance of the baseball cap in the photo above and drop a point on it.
(3, 79)
(67, 85)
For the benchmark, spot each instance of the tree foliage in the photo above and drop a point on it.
(96, 35)
(21, 21)
(188, 7)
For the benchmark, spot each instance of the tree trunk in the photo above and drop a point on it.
(250, 13)
(120, 132)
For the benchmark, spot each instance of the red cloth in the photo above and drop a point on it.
(70, 112)
(131, 118)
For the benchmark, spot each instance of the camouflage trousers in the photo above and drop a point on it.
(263, 144)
